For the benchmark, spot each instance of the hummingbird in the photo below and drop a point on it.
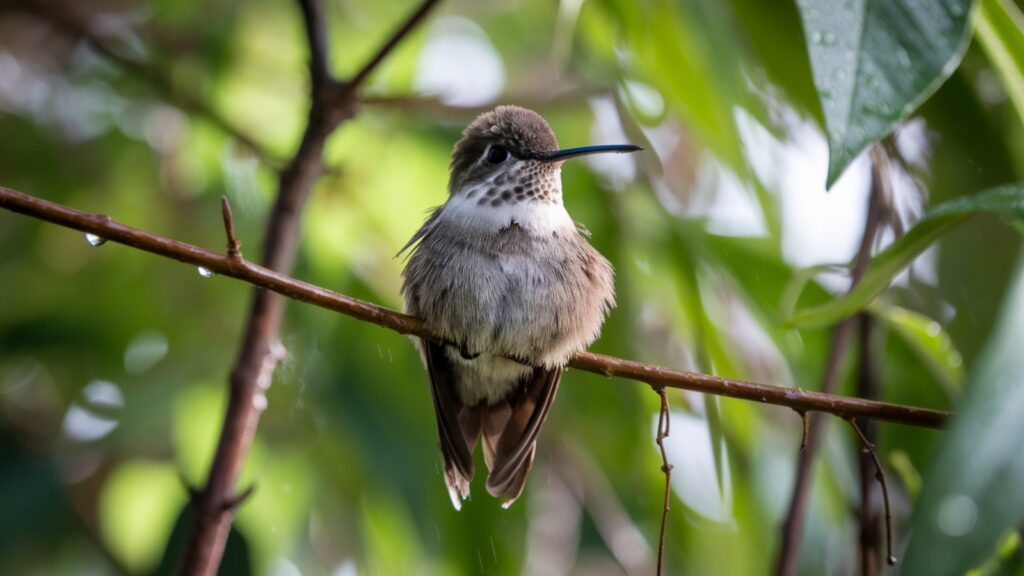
(503, 273)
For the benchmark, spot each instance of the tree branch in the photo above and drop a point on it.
(260, 352)
(869, 383)
(793, 525)
(410, 23)
(795, 398)
(868, 449)
(870, 469)
(664, 426)
(316, 37)
(330, 104)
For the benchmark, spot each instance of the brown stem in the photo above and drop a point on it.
(256, 360)
(868, 448)
(867, 386)
(234, 246)
(261, 351)
(410, 23)
(793, 525)
(805, 432)
(794, 398)
(664, 420)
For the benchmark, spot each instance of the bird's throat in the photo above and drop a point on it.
(489, 208)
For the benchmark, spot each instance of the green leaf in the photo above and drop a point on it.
(886, 264)
(716, 433)
(799, 280)
(137, 508)
(1000, 29)
(875, 61)
(930, 342)
(972, 492)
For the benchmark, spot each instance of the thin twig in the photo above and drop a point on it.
(793, 398)
(806, 431)
(868, 448)
(67, 21)
(316, 37)
(664, 420)
(234, 246)
(233, 503)
(410, 23)
(868, 386)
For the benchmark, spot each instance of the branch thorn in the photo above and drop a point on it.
(234, 246)
(805, 420)
(235, 501)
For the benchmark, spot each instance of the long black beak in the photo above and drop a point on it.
(559, 155)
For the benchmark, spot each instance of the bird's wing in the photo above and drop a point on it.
(512, 446)
(424, 230)
(458, 426)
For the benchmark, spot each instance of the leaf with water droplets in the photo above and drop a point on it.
(875, 61)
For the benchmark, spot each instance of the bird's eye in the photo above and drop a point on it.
(497, 154)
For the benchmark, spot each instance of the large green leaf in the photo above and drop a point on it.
(1000, 27)
(875, 61)
(887, 263)
(972, 492)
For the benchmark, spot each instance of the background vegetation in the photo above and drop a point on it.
(113, 364)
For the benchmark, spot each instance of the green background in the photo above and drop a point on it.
(114, 363)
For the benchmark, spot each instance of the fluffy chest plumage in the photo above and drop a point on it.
(534, 205)
(506, 274)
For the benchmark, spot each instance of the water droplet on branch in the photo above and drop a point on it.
(94, 240)
(205, 272)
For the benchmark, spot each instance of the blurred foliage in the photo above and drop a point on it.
(973, 496)
(113, 363)
(1007, 200)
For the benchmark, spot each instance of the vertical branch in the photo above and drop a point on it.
(213, 511)
(234, 246)
(868, 449)
(664, 419)
(793, 525)
(331, 102)
(402, 31)
(869, 386)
